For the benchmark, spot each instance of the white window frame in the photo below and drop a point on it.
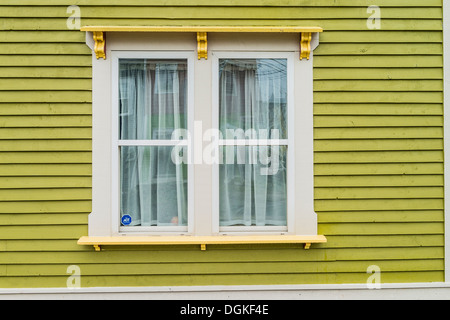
(117, 143)
(289, 142)
(104, 221)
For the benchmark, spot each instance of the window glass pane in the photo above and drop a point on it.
(253, 98)
(152, 98)
(153, 186)
(252, 186)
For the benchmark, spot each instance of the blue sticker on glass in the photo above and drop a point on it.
(126, 220)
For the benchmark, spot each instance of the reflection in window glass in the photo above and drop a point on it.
(253, 96)
(153, 98)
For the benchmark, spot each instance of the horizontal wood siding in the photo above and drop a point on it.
(378, 146)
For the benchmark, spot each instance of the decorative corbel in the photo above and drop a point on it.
(305, 45)
(100, 44)
(202, 45)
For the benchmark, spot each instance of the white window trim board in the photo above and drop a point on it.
(101, 219)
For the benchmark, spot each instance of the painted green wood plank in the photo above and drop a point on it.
(391, 61)
(45, 157)
(383, 216)
(364, 133)
(394, 277)
(399, 180)
(354, 145)
(45, 207)
(380, 36)
(169, 255)
(214, 268)
(48, 170)
(222, 13)
(26, 182)
(19, 84)
(43, 219)
(216, 254)
(378, 97)
(369, 193)
(207, 280)
(374, 145)
(46, 96)
(376, 121)
(45, 194)
(46, 60)
(45, 121)
(375, 169)
(379, 157)
(265, 3)
(45, 48)
(382, 49)
(42, 232)
(46, 72)
(377, 73)
(45, 145)
(390, 254)
(58, 245)
(388, 204)
(45, 133)
(380, 228)
(43, 109)
(60, 24)
(386, 241)
(380, 109)
(375, 85)
(43, 36)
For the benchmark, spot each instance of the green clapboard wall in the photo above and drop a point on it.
(378, 146)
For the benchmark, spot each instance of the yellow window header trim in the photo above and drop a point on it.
(265, 29)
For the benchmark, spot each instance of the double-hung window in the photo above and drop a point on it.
(188, 146)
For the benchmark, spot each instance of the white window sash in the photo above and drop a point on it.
(117, 229)
(289, 143)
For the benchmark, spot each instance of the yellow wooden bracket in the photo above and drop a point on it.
(305, 45)
(100, 44)
(202, 45)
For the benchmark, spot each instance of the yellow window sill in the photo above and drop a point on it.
(97, 242)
